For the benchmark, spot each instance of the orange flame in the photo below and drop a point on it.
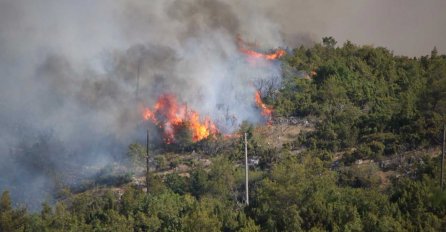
(266, 110)
(169, 115)
(251, 53)
(313, 73)
(149, 115)
(272, 56)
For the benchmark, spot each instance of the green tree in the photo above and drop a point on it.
(202, 217)
(11, 219)
(198, 182)
(176, 183)
(329, 41)
(137, 154)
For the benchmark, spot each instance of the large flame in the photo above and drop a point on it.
(266, 110)
(243, 47)
(271, 56)
(169, 115)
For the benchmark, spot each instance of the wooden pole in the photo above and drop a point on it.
(442, 158)
(246, 171)
(147, 161)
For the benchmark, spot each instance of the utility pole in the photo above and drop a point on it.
(147, 161)
(246, 170)
(442, 158)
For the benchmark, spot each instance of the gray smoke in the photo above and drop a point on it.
(75, 75)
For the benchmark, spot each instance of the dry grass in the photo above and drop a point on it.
(277, 135)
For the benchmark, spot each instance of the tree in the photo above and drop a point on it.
(6, 223)
(329, 42)
(5, 202)
(176, 183)
(198, 182)
(137, 154)
(10, 219)
(201, 220)
(183, 136)
(434, 53)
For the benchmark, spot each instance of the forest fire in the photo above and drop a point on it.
(271, 56)
(242, 45)
(266, 110)
(171, 116)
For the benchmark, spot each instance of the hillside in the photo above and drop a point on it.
(354, 145)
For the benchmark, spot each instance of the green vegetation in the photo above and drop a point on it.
(296, 194)
(369, 164)
(365, 97)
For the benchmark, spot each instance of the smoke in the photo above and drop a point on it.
(75, 75)
(407, 27)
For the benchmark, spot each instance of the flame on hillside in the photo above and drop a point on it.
(266, 110)
(244, 47)
(271, 56)
(170, 116)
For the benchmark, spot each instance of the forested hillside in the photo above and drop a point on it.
(368, 160)
(366, 96)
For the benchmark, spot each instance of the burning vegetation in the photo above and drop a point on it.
(268, 56)
(266, 110)
(171, 116)
(246, 48)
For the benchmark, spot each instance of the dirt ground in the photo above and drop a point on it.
(277, 135)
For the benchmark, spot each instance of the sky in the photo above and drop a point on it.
(407, 27)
